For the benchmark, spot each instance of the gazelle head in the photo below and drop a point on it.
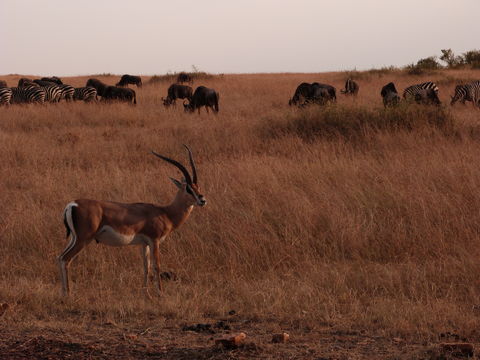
(188, 187)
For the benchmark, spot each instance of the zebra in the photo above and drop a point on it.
(5, 95)
(468, 92)
(86, 94)
(53, 93)
(411, 91)
(31, 94)
(67, 91)
(351, 88)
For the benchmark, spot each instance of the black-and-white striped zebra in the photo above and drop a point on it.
(86, 94)
(25, 95)
(53, 93)
(351, 88)
(5, 95)
(468, 92)
(412, 91)
(67, 91)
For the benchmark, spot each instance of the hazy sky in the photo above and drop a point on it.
(61, 37)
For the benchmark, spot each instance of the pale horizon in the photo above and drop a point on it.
(149, 37)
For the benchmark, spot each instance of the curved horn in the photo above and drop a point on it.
(178, 165)
(192, 164)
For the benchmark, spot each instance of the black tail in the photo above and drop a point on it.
(66, 225)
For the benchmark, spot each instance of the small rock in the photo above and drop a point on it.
(280, 338)
(231, 342)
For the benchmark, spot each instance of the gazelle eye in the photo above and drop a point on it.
(189, 190)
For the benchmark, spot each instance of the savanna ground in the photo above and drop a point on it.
(351, 228)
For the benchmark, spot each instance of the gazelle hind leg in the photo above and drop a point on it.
(72, 250)
(156, 262)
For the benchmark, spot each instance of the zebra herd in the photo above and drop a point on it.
(43, 90)
(425, 93)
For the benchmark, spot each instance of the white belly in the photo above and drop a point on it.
(108, 236)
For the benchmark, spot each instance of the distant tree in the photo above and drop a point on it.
(429, 63)
(472, 57)
(450, 59)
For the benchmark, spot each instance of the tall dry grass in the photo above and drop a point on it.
(340, 216)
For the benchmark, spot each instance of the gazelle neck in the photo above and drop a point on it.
(179, 210)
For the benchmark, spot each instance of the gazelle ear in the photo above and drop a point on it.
(177, 183)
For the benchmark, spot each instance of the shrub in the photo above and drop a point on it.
(355, 123)
(172, 77)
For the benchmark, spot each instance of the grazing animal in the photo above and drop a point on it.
(44, 82)
(119, 224)
(409, 92)
(53, 79)
(67, 91)
(98, 85)
(53, 93)
(304, 90)
(312, 93)
(25, 95)
(331, 90)
(177, 91)
(130, 79)
(3, 83)
(468, 92)
(390, 95)
(26, 82)
(351, 88)
(86, 94)
(203, 96)
(120, 94)
(427, 97)
(5, 95)
(184, 78)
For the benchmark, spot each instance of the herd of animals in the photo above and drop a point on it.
(52, 89)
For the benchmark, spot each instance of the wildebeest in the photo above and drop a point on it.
(3, 83)
(183, 77)
(313, 93)
(26, 82)
(130, 79)
(390, 95)
(53, 79)
(351, 88)
(427, 97)
(98, 85)
(120, 94)
(203, 96)
(177, 91)
(44, 82)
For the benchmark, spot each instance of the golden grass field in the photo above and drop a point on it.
(366, 237)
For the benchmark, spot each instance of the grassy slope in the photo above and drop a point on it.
(380, 233)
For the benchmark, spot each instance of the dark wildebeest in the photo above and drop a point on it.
(177, 91)
(184, 77)
(44, 82)
(203, 97)
(313, 93)
(130, 79)
(427, 97)
(351, 88)
(390, 95)
(3, 83)
(120, 94)
(98, 85)
(53, 79)
(304, 90)
(23, 82)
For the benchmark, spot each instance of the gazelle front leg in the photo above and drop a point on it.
(156, 259)
(145, 250)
